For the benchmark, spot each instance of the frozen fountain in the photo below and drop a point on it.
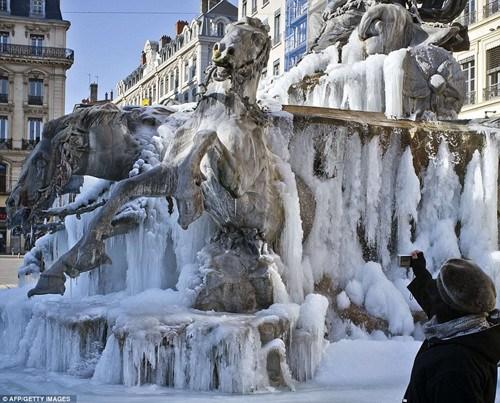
(220, 246)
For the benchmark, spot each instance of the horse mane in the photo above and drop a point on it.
(83, 118)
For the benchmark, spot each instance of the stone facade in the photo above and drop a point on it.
(481, 63)
(33, 64)
(271, 12)
(172, 69)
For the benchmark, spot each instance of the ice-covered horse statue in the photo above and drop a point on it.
(101, 141)
(218, 161)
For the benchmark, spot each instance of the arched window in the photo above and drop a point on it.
(3, 177)
(221, 29)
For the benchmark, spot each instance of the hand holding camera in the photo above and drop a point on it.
(416, 261)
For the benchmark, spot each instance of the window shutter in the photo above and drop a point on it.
(493, 59)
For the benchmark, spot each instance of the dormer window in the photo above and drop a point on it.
(4, 6)
(37, 8)
(221, 29)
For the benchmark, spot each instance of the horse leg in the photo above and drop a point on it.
(89, 251)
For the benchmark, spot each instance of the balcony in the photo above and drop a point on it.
(491, 7)
(38, 52)
(492, 92)
(35, 100)
(470, 98)
(4, 98)
(29, 144)
(467, 19)
(5, 144)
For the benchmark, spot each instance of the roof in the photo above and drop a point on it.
(21, 8)
(224, 7)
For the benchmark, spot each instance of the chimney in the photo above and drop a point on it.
(179, 26)
(93, 92)
(206, 5)
(165, 40)
(105, 96)
(111, 95)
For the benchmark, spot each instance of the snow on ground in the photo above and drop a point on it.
(353, 371)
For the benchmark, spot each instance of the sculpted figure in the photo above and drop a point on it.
(341, 17)
(433, 79)
(219, 162)
(100, 141)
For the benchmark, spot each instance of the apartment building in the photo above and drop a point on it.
(272, 13)
(172, 69)
(481, 63)
(33, 65)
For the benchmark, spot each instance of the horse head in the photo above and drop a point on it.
(242, 55)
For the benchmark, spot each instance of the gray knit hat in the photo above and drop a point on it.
(464, 287)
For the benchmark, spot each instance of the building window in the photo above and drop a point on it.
(35, 91)
(171, 81)
(277, 27)
(4, 41)
(469, 69)
(492, 73)
(244, 8)
(4, 90)
(186, 96)
(194, 94)
(276, 68)
(469, 16)
(221, 29)
(186, 71)
(35, 126)
(491, 7)
(4, 128)
(193, 69)
(162, 84)
(254, 6)
(38, 8)
(3, 178)
(4, 6)
(36, 44)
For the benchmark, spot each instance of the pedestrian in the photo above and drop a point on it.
(458, 360)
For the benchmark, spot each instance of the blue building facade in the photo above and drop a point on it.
(295, 31)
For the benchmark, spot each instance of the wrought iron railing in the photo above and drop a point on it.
(29, 144)
(493, 91)
(37, 51)
(35, 100)
(5, 144)
(491, 7)
(470, 98)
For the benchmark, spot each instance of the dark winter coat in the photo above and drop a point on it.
(458, 370)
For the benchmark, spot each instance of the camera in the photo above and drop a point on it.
(404, 260)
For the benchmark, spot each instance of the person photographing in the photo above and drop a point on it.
(458, 359)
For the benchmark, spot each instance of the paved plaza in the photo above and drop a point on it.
(8, 270)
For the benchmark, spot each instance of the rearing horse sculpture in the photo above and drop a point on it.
(219, 161)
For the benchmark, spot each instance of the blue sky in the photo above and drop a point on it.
(109, 45)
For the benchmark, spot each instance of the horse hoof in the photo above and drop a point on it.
(48, 285)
